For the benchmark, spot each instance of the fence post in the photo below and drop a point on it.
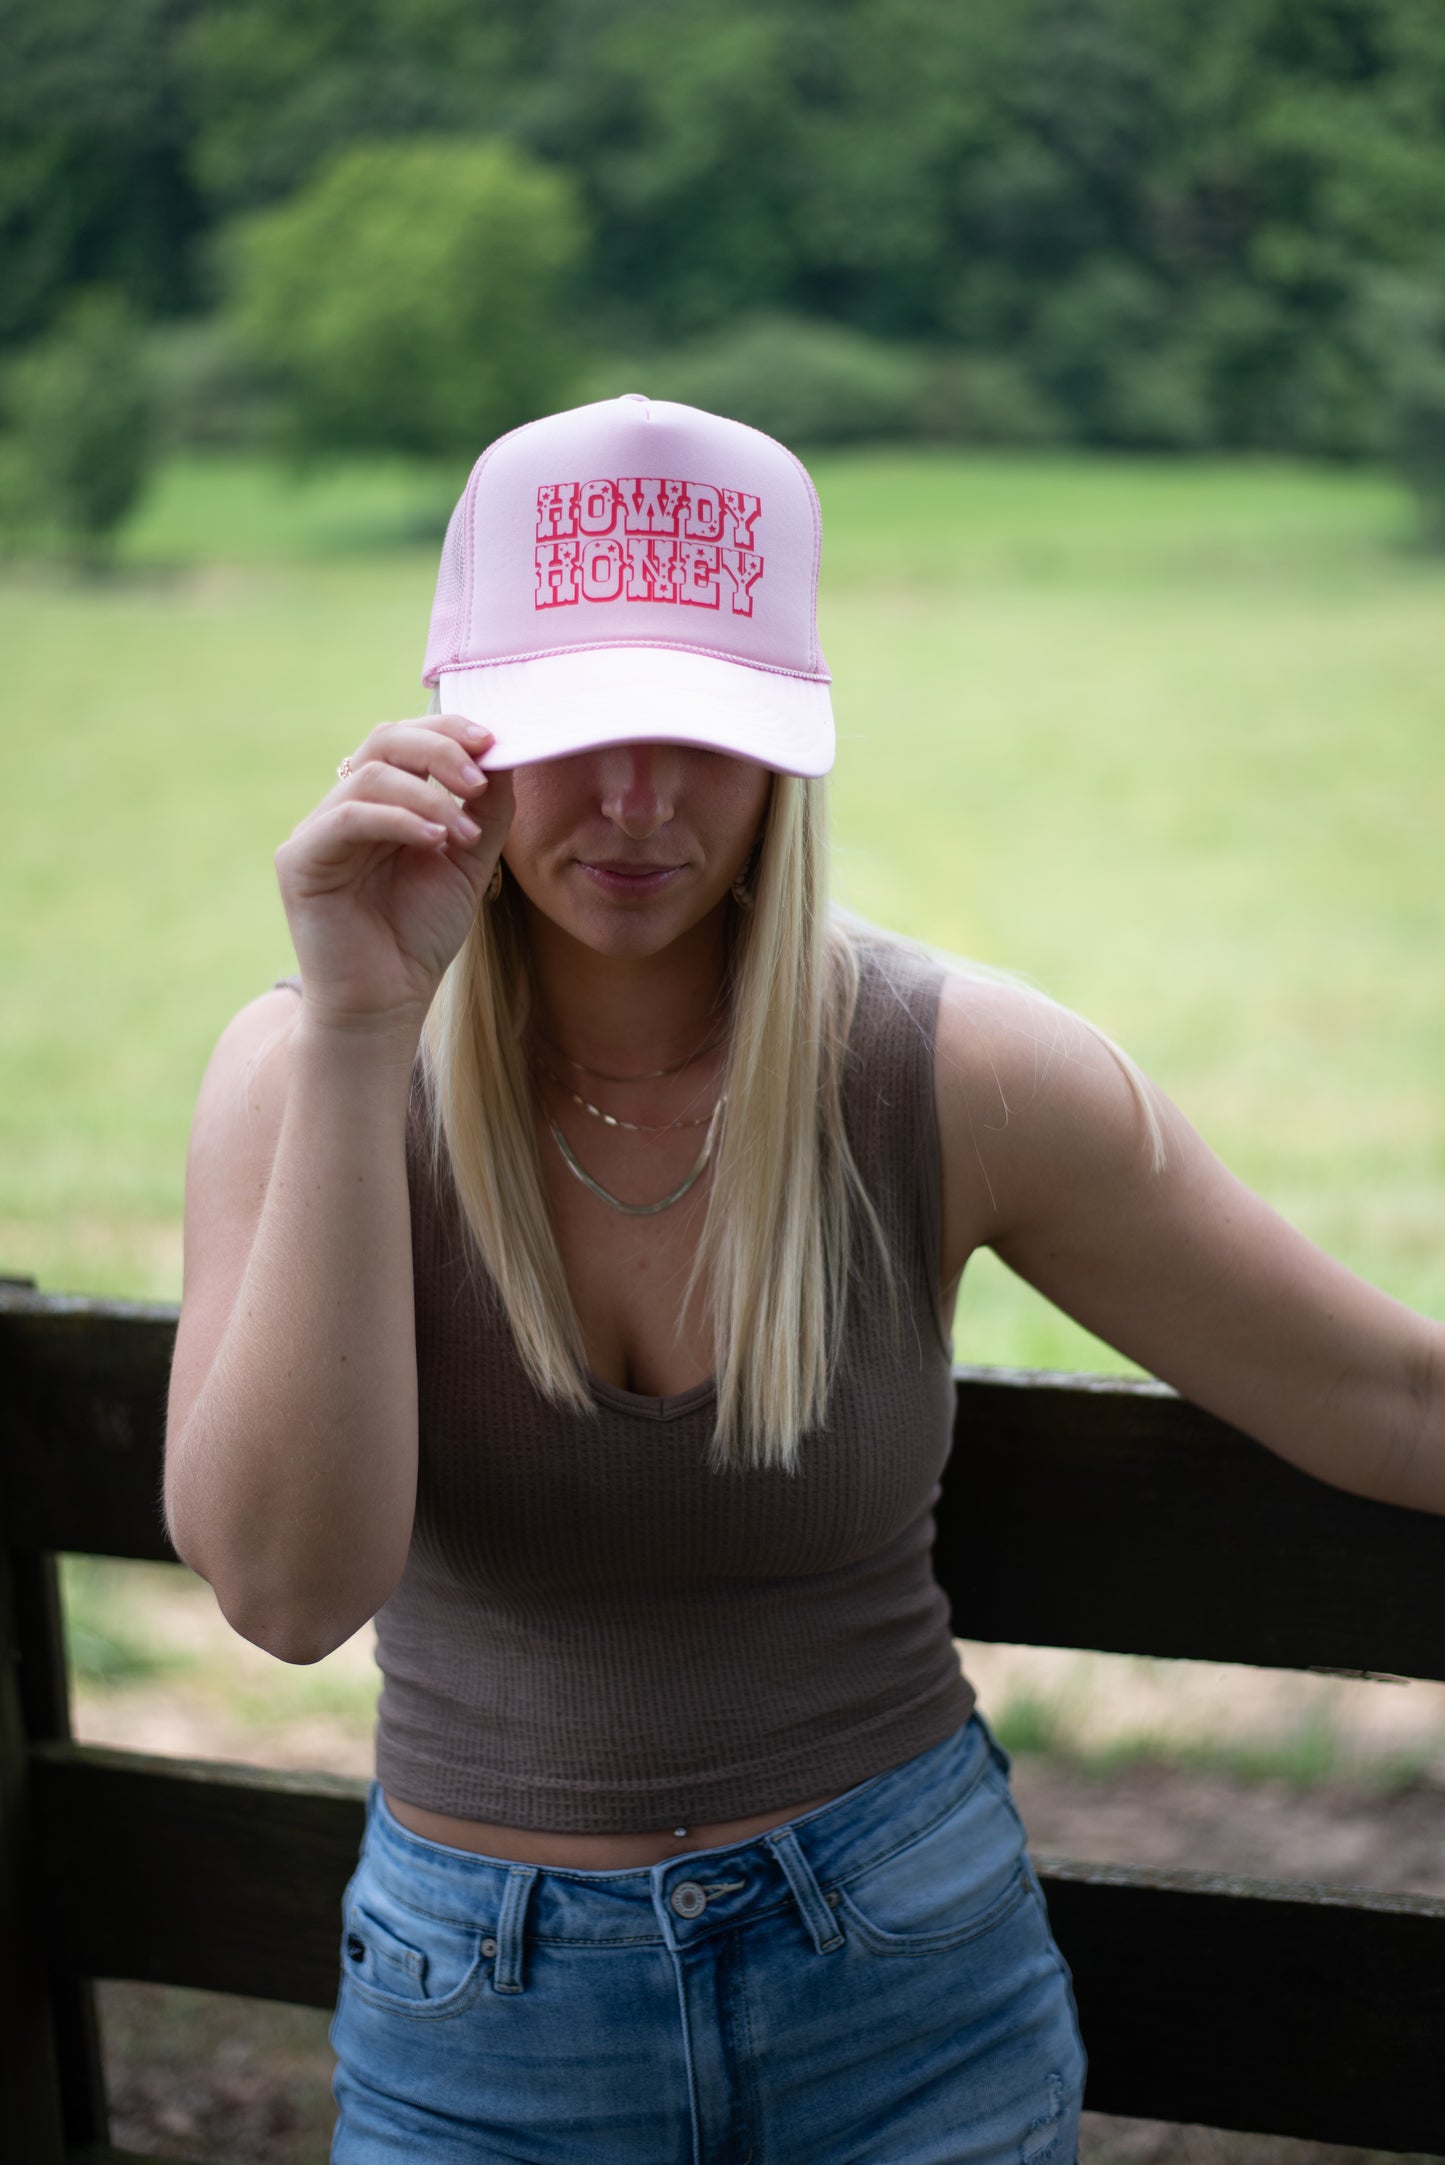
(31, 2114)
(52, 2082)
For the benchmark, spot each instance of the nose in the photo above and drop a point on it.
(639, 786)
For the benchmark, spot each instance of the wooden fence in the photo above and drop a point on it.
(1076, 1512)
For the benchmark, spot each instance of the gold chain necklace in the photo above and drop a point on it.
(640, 1210)
(600, 1074)
(611, 1120)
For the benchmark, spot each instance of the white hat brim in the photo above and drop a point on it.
(553, 704)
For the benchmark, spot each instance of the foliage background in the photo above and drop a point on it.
(1114, 222)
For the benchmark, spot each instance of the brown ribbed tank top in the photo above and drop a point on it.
(595, 1633)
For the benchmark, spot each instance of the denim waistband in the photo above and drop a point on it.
(689, 1897)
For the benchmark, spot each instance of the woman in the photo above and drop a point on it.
(567, 1280)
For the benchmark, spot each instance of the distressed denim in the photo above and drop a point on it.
(871, 1983)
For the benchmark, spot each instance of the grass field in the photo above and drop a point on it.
(1168, 739)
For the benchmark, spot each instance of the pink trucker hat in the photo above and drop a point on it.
(635, 569)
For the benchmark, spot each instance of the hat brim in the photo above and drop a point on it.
(553, 704)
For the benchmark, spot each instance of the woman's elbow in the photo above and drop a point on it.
(298, 1640)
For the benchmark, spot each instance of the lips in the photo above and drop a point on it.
(625, 867)
(620, 877)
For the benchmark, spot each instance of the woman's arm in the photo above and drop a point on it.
(291, 1434)
(1047, 1161)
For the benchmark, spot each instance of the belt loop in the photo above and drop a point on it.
(507, 1969)
(823, 1926)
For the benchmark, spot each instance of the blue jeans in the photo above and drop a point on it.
(874, 1980)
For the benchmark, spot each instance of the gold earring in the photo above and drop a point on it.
(494, 885)
(742, 890)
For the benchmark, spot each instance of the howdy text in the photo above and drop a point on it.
(645, 538)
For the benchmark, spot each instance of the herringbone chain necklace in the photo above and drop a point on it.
(633, 1127)
(640, 1210)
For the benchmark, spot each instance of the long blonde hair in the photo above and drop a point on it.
(771, 1270)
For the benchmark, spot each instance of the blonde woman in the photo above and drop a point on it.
(570, 1250)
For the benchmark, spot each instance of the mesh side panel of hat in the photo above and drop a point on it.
(450, 617)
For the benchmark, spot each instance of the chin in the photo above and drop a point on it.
(628, 928)
(627, 931)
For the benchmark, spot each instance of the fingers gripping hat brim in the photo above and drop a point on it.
(556, 704)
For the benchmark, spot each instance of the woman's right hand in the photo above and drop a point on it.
(381, 882)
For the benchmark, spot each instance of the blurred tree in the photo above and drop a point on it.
(81, 406)
(1165, 219)
(280, 87)
(1154, 224)
(1408, 329)
(1303, 151)
(410, 297)
(1420, 426)
(803, 382)
(94, 133)
(209, 393)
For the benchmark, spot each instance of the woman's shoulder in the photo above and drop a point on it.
(980, 1018)
(1002, 1040)
(264, 1022)
(970, 1017)
(1001, 1023)
(243, 1088)
(271, 1015)
(893, 974)
(1032, 1099)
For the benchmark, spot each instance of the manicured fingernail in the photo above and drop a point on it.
(471, 775)
(468, 828)
(474, 732)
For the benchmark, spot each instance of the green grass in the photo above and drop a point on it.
(247, 511)
(106, 1641)
(1168, 739)
(1313, 1751)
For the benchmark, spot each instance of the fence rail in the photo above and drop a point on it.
(1076, 1511)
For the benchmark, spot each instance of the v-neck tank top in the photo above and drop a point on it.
(596, 1632)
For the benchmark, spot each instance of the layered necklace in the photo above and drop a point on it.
(633, 1127)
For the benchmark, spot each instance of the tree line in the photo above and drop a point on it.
(1113, 222)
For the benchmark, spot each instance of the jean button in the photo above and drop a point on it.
(688, 1899)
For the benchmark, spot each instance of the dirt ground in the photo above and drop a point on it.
(226, 2082)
